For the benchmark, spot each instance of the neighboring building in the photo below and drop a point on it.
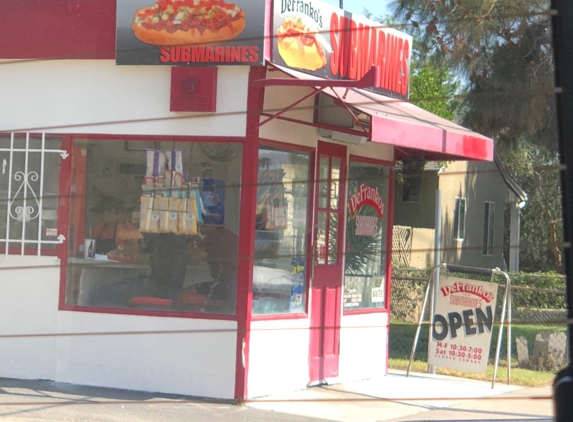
(474, 198)
(236, 258)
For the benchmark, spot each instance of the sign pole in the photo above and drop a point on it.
(437, 262)
(342, 4)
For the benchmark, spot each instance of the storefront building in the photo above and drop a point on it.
(211, 220)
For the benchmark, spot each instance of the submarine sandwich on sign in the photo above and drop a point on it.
(299, 46)
(188, 22)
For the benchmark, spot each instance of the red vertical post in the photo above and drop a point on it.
(255, 102)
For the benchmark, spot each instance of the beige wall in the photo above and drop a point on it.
(478, 182)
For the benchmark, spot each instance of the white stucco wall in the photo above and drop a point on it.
(28, 306)
(363, 346)
(194, 363)
(87, 96)
(278, 356)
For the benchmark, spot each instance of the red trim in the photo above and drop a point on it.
(146, 312)
(17, 250)
(287, 146)
(149, 138)
(365, 311)
(64, 220)
(389, 228)
(290, 147)
(255, 102)
(277, 317)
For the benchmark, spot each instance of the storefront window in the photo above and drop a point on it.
(365, 263)
(153, 225)
(29, 175)
(281, 234)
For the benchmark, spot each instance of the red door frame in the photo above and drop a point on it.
(326, 289)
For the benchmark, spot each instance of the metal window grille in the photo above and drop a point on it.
(24, 196)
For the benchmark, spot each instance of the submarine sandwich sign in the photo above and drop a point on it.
(322, 40)
(462, 324)
(190, 32)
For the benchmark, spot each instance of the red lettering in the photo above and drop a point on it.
(235, 54)
(254, 52)
(219, 53)
(381, 58)
(186, 54)
(176, 54)
(397, 64)
(244, 52)
(197, 54)
(363, 51)
(344, 46)
(334, 34)
(227, 53)
(405, 70)
(373, 60)
(353, 54)
(209, 54)
(388, 61)
(164, 57)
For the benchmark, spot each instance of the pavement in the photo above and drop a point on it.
(420, 397)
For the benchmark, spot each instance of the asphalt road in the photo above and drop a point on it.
(48, 401)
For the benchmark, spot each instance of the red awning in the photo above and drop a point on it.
(405, 125)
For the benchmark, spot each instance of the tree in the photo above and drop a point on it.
(536, 170)
(503, 49)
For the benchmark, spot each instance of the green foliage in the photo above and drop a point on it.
(503, 50)
(434, 88)
(536, 170)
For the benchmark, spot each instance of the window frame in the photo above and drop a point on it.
(391, 165)
(308, 261)
(488, 228)
(460, 227)
(64, 220)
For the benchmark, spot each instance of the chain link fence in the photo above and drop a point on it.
(538, 337)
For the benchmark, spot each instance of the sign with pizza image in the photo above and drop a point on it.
(190, 32)
(320, 39)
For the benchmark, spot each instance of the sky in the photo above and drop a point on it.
(378, 7)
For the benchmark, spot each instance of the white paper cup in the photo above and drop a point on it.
(89, 248)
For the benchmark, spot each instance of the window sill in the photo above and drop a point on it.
(276, 317)
(147, 312)
(366, 311)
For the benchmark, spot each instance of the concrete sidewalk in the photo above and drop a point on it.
(395, 397)
(415, 398)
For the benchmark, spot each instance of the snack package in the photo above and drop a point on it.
(188, 222)
(149, 160)
(149, 217)
(176, 211)
(168, 177)
(159, 168)
(162, 207)
(145, 213)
